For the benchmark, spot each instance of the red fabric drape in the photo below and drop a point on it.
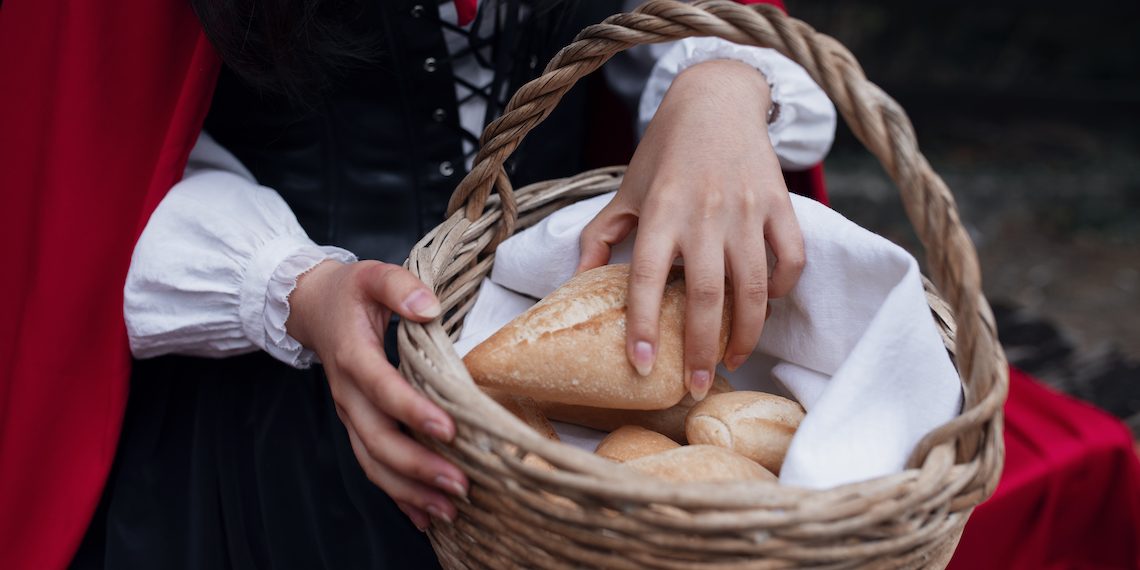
(465, 11)
(1070, 493)
(100, 105)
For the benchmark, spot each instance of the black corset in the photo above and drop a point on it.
(371, 165)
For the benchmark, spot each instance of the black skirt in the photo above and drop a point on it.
(241, 463)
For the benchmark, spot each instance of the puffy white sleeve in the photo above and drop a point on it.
(802, 124)
(212, 272)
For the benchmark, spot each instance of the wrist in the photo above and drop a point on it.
(306, 299)
(729, 77)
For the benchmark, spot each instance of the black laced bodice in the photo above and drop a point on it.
(371, 165)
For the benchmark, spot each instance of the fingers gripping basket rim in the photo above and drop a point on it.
(520, 515)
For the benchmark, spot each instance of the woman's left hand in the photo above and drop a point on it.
(704, 185)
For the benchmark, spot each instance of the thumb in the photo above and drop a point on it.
(606, 230)
(397, 289)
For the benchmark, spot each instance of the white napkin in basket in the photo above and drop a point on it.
(854, 342)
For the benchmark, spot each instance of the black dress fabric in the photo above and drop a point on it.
(242, 462)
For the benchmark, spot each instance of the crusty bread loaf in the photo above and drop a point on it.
(631, 442)
(756, 425)
(701, 463)
(669, 422)
(570, 347)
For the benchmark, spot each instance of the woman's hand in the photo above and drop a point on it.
(341, 312)
(704, 185)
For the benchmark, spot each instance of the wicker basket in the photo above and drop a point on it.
(593, 513)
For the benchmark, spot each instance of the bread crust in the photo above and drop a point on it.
(669, 422)
(570, 347)
(757, 425)
(693, 463)
(631, 442)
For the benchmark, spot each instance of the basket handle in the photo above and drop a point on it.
(875, 119)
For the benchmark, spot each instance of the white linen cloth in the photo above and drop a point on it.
(854, 342)
(212, 272)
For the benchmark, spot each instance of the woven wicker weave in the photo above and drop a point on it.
(592, 513)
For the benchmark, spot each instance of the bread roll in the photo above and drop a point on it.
(631, 442)
(701, 463)
(756, 425)
(669, 422)
(570, 347)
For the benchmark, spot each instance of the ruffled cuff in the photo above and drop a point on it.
(802, 124)
(272, 277)
(212, 271)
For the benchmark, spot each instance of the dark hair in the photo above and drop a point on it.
(289, 47)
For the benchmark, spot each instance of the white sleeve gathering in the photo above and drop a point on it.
(212, 272)
(802, 125)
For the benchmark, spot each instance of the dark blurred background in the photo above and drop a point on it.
(1031, 113)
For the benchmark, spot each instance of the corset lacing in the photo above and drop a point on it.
(519, 35)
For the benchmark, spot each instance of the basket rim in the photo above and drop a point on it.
(876, 120)
(746, 494)
(953, 468)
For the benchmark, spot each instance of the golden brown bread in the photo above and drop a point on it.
(756, 425)
(669, 422)
(631, 442)
(570, 347)
(701, 463)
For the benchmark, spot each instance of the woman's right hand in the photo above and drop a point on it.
(341, 312)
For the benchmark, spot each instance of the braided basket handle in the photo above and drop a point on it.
(876, 119)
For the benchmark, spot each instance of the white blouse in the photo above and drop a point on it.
(213, 269)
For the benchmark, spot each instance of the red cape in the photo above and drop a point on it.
(100, 106)
(1070, 493)
(101, 103)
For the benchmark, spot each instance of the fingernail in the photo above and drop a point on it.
(437, 513)
(699, 384)
(734, 362)
(450, 485)
(423, 304)
(437, 430)
(643, 357)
